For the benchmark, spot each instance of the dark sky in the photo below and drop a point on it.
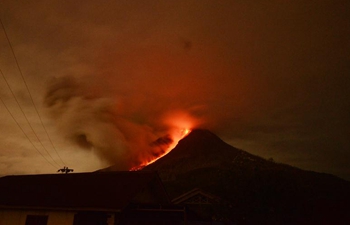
(271, 77)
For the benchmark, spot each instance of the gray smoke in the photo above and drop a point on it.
(93, 121)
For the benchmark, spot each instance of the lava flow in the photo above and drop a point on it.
(176, 137)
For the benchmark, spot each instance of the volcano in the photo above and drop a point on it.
(252, 190)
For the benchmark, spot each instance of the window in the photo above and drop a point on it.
(91, 218)
(36, 220)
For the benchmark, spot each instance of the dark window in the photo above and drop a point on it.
(90, 218)
(36, 220)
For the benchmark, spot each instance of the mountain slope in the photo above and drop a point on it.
(253, 189)
(198, 150)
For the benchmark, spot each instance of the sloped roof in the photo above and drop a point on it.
(193, 193)
(85, 191)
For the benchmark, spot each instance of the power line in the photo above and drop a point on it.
(31, 98)
(24, 131)
(25, 116)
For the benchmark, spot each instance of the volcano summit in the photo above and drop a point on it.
(251, 190)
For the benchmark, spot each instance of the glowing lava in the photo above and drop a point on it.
(176, 137)
(180, 124)
(185, 132)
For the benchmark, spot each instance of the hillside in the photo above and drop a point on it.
(254, 190)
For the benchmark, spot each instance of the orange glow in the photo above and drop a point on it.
(186, 132)
(180, 124)
(169, 148)
(183, 133)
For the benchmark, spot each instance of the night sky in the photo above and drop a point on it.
(108, 78)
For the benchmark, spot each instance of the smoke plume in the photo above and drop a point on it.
(93, 120)
(270, 78)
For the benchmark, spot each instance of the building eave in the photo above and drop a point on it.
(6, 207)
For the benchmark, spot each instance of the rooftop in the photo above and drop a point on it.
(87, 191)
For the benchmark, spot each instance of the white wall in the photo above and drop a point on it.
(18, 217)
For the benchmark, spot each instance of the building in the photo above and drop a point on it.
(86, 199)
(203, 207)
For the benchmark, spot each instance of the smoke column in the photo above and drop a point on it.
(87, 116)
(272, 79)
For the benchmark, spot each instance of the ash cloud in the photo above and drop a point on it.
(93, 121)
(270, 77)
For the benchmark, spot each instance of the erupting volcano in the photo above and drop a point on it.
(168, 142)
(117, 129)
(249, 189)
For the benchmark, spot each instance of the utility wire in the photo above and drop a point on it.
(31, 98)
(26, 120)
(26, 134)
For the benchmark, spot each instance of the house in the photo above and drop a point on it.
(203, 207)
(86, 198)
(196, 197)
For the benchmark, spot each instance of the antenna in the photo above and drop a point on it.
(65, 170)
